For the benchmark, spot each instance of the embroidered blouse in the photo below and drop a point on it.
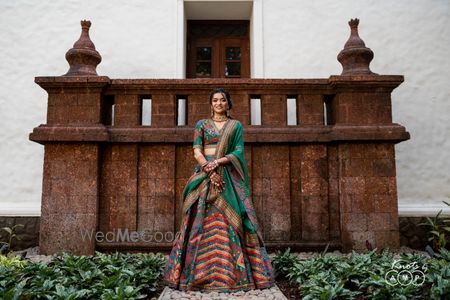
(206, 134)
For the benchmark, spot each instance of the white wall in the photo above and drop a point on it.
(301, 39)
(408, 37)
(136, 39)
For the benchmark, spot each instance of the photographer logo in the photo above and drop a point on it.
(405, 273)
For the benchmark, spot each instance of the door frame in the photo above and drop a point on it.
(256, 18)
(217, 42)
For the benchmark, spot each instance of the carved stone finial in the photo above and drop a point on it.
(83, 58)
(355, 58)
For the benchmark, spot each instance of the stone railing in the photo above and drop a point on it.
(118, 153)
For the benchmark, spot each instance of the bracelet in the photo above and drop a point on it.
(204, 164)
(216, 162)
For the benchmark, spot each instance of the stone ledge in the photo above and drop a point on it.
(271, 246)
(411, 235)
(252, 134)
(248, 85)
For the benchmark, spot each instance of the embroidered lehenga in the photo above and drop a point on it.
(219, 246)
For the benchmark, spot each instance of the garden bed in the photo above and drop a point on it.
(406, 274)
(103, 276)
(311, 275)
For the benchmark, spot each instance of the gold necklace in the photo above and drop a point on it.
(219, 118)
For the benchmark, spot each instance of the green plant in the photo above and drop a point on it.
(320, 278)
(365, 275)
(443, 254)
(283, 262)
(439, 230)
(12, 233)
(11, 261)
(103, 276)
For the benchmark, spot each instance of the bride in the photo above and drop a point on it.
(220, 246)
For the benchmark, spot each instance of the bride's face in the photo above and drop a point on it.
(219, 104)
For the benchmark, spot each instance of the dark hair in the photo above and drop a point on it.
(224, 92)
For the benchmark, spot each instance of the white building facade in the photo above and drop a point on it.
(288, 39)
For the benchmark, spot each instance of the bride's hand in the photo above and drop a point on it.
(217, 181)
(211, 166)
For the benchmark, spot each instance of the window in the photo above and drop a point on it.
(108, 108)
(181, 110)
(146, 111)
(255, 110)
(291, 110)
(218, 49)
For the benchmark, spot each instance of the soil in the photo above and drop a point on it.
(290, 290)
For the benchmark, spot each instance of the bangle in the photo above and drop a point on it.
(216, 162)
(204, 164)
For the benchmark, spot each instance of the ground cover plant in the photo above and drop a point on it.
(370, 275)
(103, 276)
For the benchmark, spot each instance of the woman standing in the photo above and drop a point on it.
(220, 246)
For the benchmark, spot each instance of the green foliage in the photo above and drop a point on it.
(283, 262)
(11, 234)
(365, 275)
(444, 254)
(104, 276)
(439, 229)
(11, 261)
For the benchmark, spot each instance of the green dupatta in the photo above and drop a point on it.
(235, 201)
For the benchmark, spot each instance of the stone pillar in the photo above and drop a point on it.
(273, 110)
(366, 181)
(164, 110)
(70, 190)
(314, 192)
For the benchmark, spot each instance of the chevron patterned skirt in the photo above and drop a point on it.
(211, 256)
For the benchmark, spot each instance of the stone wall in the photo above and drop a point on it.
(328, 179)
(411, 235)
(29, 234)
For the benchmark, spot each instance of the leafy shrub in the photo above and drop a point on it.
(11, 234)
(439, 229)
(104, 276)
(283, 262)
(11, 261)
(365, 275)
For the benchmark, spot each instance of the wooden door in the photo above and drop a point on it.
(218, 49)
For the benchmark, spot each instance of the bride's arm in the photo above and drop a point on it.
(206, 167)
(223, 161)
(199, 157)
(212, 165)
(198, 144)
